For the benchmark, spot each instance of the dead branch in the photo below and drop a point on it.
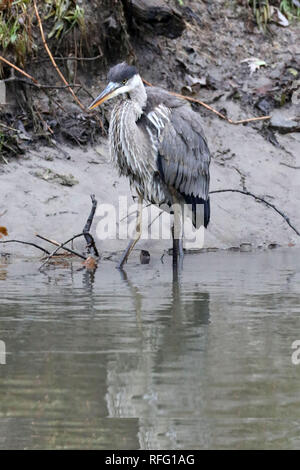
(27, 243)
(88, 237)
(52, 59)
(79, 59)
(60, 246)
(39, 85)
(54, 242)
(222, 116)
(155, 218)
(8, 127)
(290, 166)
(258, 198)
(19, 70)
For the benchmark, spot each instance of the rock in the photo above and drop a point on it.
(245, 247)
(284, 125)
(155, 16)
(145, 257)
(49, 175)
(272, 246)
(266, 104)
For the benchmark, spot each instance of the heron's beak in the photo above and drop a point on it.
(107, 93)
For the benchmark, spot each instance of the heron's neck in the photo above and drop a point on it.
(138, 96)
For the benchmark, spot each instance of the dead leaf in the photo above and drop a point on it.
(279, 17)
(90, 263)
(3, 232)
(254, 63)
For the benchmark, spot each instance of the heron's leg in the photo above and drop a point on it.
(138, 232)
(177, 231)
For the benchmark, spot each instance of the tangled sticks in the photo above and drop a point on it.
(92, 251)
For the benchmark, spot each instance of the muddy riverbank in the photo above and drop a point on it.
(45, 186)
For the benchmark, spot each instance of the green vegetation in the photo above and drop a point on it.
(282, 10)
(291, 8)
(66, 15)
(16, 17)
(15, 28)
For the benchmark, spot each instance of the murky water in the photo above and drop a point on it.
(143, 361)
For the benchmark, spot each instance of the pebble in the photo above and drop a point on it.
(245, 247)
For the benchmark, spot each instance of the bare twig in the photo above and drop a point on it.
(52, 59)
(155, 218)
(222, 116)
(290, 166)
(258, 198)
(27, 243)
(80, 58)
(54, 242)
(39, 85)
(18, 69)
(60, 246)
(134, 212)
(88, 237)
(8, 127)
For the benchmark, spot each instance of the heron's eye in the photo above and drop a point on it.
(124, 82)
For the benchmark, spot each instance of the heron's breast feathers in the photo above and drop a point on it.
(162, 145)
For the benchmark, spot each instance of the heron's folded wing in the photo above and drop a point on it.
(184, 156)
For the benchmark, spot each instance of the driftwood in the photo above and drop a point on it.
(85, 233)
(60, 246)
(27, 243)
(65, 248)
(89, 260)
(88, 237)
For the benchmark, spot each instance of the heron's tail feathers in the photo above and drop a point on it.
(200, 210)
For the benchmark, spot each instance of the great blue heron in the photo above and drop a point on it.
(157, 141)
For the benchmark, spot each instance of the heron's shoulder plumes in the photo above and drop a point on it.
(157, 96)
(121, 72)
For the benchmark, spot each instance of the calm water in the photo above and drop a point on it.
(143, 361)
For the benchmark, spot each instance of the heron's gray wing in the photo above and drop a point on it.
(184, 156)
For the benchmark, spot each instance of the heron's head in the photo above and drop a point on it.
(122, 78)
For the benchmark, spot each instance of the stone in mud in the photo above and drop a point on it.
(284, 125)
(145, 257)
(155, 16)
(272, 246)
(49, 175)
(245, 247)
